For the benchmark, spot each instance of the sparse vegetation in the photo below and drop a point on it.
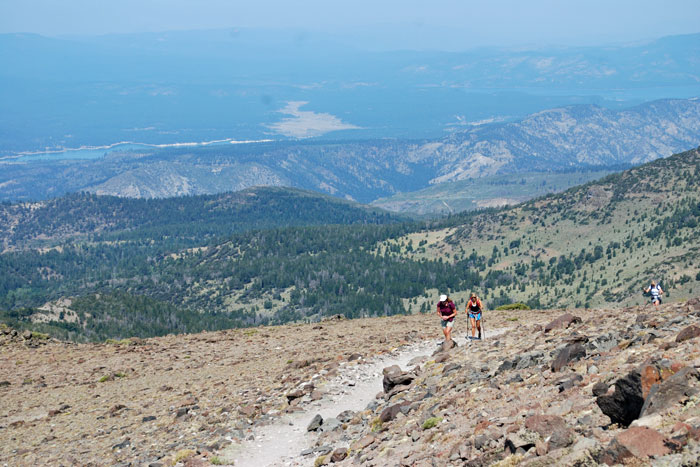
(432, 422)
(513, 306)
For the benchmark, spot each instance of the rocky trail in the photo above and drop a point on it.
(566, 387)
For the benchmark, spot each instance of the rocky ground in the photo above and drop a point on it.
(585, 387)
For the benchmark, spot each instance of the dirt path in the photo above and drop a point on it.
(281, 443)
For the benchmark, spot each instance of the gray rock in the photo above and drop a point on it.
(675, 389)
(330, 424)
(315, 423)
(346, 416)
(564, 321)
(552, 427)
(569, 382)
(570, 353)
(393, 376)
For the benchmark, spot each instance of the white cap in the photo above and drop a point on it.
(443, 298)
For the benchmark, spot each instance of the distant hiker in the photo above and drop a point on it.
(474, 312)
(447, 311)
(655, 291)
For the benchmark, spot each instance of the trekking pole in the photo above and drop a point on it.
(483, 331)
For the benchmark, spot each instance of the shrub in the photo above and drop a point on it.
(513, 306)
(431, 422)
(184, 454)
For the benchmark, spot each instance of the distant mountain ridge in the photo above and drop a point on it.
(97, 90)
(559, 139)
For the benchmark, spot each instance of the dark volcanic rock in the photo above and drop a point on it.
(625, 404)
(570, 353)
(564, 321)
(675, 389)
(600, 389)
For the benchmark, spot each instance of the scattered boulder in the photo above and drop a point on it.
(677, 388)
(640, 442)
(296, 394)
(364, 442)
(552, 427)
(393, 376)
(600, 389)
(515, 444)
(445, 346)
(691, 332)
(562, 322)
(339, 454)
(570, 353)
(569, 382)
(624, 405)
(346, 416)
(315, 423)
(330, 424)
(391, 412)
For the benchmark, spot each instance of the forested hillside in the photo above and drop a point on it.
(190, 220)
(594, 244)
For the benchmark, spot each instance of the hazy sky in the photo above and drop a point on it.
(449, 24)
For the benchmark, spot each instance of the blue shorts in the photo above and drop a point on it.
(476, 316)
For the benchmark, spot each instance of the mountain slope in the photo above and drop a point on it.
(594, 244)
(484, 192)
(554, 140)
(599, 243)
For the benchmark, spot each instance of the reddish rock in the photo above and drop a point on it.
(364, 442)
(541, 448)
(650, 375)
(481, 426)
(691, 332)
(564, 321)
(643, 442)
(339, 454)
(668, 345)
(247, 410)
(293, 395)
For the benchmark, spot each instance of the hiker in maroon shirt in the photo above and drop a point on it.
(447, 311)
